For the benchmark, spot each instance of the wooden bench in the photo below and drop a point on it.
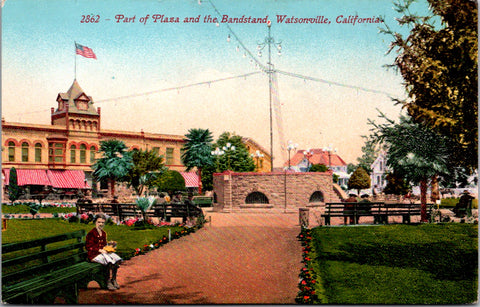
(122, 211)
(338, 210)
(379, 210)
(164, 210)
(39, 271)
(184, 210)
(405, 210)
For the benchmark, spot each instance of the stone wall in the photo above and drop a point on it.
(231, 190)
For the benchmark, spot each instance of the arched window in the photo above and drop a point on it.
(256, 198)
(24, 152)
(73, 154)
(38, 152)
(317, 196)
(92, 154)
(83, 153)
(11, 151)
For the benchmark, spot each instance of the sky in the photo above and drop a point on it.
(142, 75)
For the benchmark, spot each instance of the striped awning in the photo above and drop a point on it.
(63, 179)
(67, 179)
(28, 177)
(191, 179)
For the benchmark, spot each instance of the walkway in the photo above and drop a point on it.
(237, 259)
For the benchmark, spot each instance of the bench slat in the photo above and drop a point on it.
(30, 271)
(41, 255)
(11, 247)
(48, 282)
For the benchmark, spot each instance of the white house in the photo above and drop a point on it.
(379, 171)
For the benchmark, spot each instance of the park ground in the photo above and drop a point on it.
(239, 258)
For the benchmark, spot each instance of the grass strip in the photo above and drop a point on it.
(398, 264)
(128, 238)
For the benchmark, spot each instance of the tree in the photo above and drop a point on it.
(115, 164)
(147, 165)
(359, 180)
(207, 177)
(396, 184)
(414, 151)
(145, 203)
(197, 151)
(14, 190)
(318, 168)
(439, 66)
(170, 181)
(351, 168)
(370, 153)
(238, 160)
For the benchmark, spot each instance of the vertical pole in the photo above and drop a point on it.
(75, 56)
(285, 192)
(269, 41)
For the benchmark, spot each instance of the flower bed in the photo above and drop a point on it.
(310, 289)
(154, 245)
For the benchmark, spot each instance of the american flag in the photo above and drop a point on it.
(85, 51)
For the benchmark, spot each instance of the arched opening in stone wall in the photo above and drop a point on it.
(316, 197)
(256, 198)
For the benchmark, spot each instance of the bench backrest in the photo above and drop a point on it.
(375, 206)
(176, 210)
(131, 210)
(334, 207)
(23, 259)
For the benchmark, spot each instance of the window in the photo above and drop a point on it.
(317, 196)
(11, 151)
(24, 152)
(256, 198)
(92, 154)
(83, 153)
(156, 150)
(38, 152)
(73, 153)
(169, 155)
(56, 152)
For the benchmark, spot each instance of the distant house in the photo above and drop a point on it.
(302, 160)
(379, 171)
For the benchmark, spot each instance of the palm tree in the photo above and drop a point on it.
(197, 151)
(147, 166)
(415, 152)
(115, 164)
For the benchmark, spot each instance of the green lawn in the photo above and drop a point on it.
(128, 239)
(24, 209)
(397, 264)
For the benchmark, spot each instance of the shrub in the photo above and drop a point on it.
(359, 180)
(170, 181)
(73, 219)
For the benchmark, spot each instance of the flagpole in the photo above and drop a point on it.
(75, 55)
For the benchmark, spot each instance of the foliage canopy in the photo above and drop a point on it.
(439, 66)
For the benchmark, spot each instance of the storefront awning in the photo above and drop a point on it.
(67, 179)
(62, 179)
(191, 179)
(32, 177)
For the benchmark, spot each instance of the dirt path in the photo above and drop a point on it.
(237, 259)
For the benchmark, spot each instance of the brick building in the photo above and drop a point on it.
(285, 191)
(61, 154)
